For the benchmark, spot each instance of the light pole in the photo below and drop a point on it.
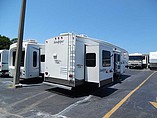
(19, 46)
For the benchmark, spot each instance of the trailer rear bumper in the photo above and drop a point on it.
(70, 83)
(153, 66)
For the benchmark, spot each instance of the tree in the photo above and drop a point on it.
(4, 42)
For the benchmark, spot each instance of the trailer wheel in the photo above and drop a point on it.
(42, 76)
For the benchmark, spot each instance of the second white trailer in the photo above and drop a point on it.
(4, 61)
(153, 60)
(32, 59)
(73, 60)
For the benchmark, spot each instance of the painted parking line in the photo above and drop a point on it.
(4, 114)
(25, 110)
(154, 103)
(25, 99)
(126, 97)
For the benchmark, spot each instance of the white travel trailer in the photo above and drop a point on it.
(32, 59)
(4, 61)
(153, 60)
(73, 60)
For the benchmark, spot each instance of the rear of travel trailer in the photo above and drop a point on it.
(4, 61)
(32, 59)
(153, 60)
(73, 60)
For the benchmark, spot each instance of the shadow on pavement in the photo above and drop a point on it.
(32, 81)
(76, 92)
(123, 77)
(104, 92)
(87, 89)
(82, 91)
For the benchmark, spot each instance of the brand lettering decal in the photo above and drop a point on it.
(59, 41)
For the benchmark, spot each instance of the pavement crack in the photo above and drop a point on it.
(60, 114)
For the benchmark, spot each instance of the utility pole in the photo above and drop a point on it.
(19, 46)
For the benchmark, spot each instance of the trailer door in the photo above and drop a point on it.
(33, 62)
(117, 62)
(91, 68)
(117, 66)
(79, 61)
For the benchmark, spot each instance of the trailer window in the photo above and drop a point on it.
(135, 57)
(118, 57)
(42, 58)
(0, 57)
(22, 58)
(14, 56)
(34, 59)
(106, 58)
(125, 55)
(90, 59)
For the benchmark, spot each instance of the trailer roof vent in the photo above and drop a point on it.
(63, 34)
(82, 35)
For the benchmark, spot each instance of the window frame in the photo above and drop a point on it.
(0, 57)
(22, 58)
(90, 59)
(34, 58)
(106, 58)
(42, 58)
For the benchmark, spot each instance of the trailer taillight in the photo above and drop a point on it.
(46, 73)
(71, 75)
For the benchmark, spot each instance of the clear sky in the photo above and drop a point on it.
(130, 24)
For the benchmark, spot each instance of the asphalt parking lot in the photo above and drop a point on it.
(131, 98)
